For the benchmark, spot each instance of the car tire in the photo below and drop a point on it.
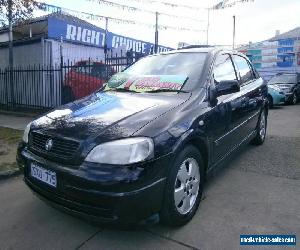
(184, 187)
(261, 129)
(270, 101)
(294, 99)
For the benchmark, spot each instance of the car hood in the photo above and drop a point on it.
(112, 114)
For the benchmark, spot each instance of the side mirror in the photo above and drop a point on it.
(227, 87)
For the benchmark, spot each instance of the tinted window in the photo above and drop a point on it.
(284, 78)
(243, 69)
(97, 70)
(223, 69)
(101, 71)
(82, 68)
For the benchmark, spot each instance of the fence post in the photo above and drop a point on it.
(129, 57)
(6, 74)
(11, 83)
(61, 80)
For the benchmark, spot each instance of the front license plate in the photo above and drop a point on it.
(42, 174)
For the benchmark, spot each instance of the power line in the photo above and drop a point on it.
(171, 4)
(132, 8)
(93, 17)
(228, 4)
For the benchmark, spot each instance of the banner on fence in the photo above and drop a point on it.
(95, 36)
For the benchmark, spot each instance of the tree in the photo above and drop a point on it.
(20, 10)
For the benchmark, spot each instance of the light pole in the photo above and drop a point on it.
(10, 33)
(233, 35)
(207, 28)
(105, 40)
(156, 33)
(10, 52)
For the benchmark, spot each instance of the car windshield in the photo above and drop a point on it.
(178, 71)
(284, 78)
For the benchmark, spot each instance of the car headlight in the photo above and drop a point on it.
(122, 152)
(26, 132)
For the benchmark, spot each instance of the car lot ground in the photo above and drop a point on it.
(257, 192)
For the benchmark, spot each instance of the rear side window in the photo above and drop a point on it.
(223, 69)
(101, 71)
(243, 68)
(82, 68)
(98, 70)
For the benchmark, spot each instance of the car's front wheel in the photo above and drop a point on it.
(183, 188)
(261, 129)
(294, 99)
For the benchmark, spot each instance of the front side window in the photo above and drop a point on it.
(223, 69)
(243, 69)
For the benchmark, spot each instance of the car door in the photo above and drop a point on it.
(251, 97)
(222, 114)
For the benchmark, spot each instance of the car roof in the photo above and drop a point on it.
(192, 50)
(208, 49)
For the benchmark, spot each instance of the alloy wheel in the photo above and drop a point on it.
(187, 186)
(262, 126)
(294, 101)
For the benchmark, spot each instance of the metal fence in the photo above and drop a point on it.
(43, 87)
(119, 62)
(32, 87)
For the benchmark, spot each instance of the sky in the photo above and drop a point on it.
(256, 20)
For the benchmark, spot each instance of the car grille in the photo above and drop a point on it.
(62, 148)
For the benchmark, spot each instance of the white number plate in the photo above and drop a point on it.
(43, 175)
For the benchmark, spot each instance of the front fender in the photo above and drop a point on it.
(197, 138)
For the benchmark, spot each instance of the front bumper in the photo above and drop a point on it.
(101, 193)
(278, 99)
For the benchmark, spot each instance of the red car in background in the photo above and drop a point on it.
(84, 78)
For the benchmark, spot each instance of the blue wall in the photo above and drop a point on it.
(94, 36)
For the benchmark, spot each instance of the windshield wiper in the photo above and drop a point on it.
(166, 90)
(149, 91)
(122, 90)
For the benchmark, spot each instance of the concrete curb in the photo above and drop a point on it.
(14, 122)
(9, 173)
(20, 114)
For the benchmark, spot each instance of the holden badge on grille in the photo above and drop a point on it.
(49, 144)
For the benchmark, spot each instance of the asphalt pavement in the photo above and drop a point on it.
(256, 192)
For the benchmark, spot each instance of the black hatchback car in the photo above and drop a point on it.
(145, 144)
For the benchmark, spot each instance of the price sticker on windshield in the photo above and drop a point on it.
(144, 83)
